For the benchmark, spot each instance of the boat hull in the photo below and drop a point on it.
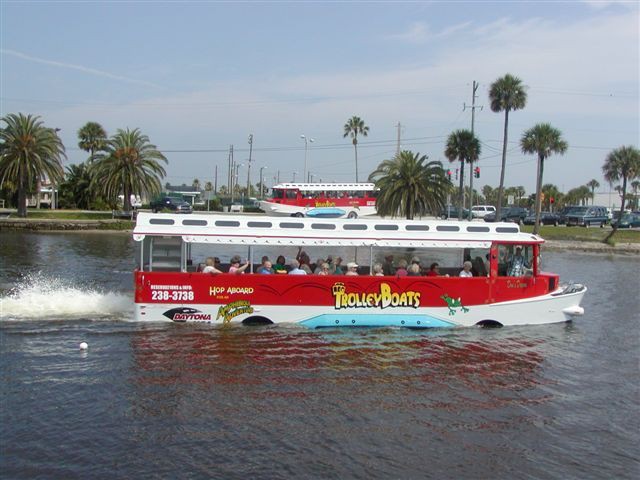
(337, 301)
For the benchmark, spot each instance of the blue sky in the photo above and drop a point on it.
(203, 75)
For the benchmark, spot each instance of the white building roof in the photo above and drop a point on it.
(264, 230)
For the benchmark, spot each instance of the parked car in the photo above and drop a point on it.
(546, 218)
(587, 216)
(480, 211)
(451, 211)
(508, 214)
(174, 204)
(562, 214)
(628, 220)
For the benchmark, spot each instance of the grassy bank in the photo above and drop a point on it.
(66, 215)
(581, 234)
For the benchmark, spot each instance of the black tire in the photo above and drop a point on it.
(352, 215)
(298, 215)
(443, 217)
(555, 223)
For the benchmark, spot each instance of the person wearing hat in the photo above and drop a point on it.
(352, 268)
(235, 265)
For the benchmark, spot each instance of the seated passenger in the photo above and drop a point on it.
(413, 270)
(280, 266)
(401, 271)
(304, 261)
(478, 269)
(337, 266)
(387, 266)
(235, 267)
(211, 266)
(377, 270)
(466, 269)
(318, 266)
(434, 270)
(323, 269)
(416, 261)
(265, 268)
(352, 269)
(295, 268)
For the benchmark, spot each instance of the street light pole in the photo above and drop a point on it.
(261, 185)
(294, 177)
(307, 141)
(249, 169)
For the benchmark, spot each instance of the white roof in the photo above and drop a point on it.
(319, 187)
(265, 230)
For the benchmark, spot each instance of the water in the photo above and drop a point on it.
(197, 401)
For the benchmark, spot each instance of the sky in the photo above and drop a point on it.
(197, 77)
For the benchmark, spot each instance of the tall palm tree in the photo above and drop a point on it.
(593, 184)
(462, 145)
(93, 138)
(505, 94)
(196, 184)
(622, 163)
(410, 187)
(29, 151)
(355, 126)
(128, 165)
(543, 140)
(635, 185)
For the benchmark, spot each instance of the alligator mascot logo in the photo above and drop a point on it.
(453, 304)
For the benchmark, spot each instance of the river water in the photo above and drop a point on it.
(170, 400)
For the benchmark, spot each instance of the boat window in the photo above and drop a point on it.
(323, 226)
(478, 229)
(386, 227)
(507, 229)
(351, 226)
(291, 225)
(417, 228)
(259, 224)
(447, 228)
(515, 260)
(227, 223)
(195, 223)
(161, 221)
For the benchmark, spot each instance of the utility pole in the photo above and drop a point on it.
(249, 169)
(398, 147)
(473, 116)
(215, 182)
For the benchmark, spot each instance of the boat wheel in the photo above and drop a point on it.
(352, 215)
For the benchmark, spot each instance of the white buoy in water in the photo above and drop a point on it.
(84, 346)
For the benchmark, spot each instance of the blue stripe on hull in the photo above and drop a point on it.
(372, 320)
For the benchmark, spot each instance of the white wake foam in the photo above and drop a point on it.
(42, 298)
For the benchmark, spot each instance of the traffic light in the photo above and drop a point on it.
(449, 174)
(476, 172)
(552, 200)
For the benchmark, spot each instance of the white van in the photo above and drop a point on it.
(479, 211)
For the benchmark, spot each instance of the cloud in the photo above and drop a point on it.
(80, 68)
(419, 33)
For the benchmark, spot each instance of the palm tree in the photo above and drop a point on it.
(593, 184)
(196, 184)
(355, 126)
(635, 185)
(622, 163)
(29, 151)
(462, 145)
(93, 138)
(410, 187)
(506, 94)
(543, 140)
(520, 192)
(550, 191)
(76, 187)
(128, 165)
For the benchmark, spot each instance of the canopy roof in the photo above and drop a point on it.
(264, 230)
(321, 187)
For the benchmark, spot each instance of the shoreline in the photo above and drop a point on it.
(124, 226)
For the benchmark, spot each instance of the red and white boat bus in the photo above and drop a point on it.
(168, 285)
(296, 199)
